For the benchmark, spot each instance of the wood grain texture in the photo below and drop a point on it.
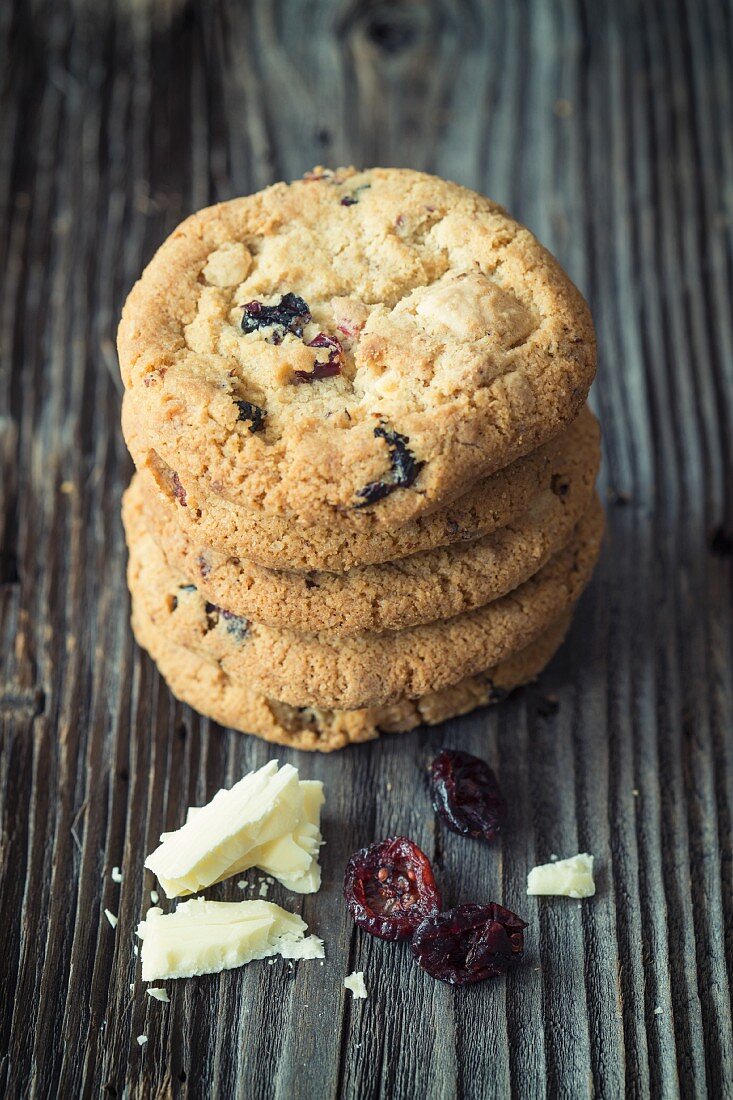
(605, 126)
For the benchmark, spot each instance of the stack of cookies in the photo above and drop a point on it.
(364, 496)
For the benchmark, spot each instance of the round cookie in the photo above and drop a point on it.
(436, 584)
(204, 685)
(352, 341)
(210, 521)
(366, 669)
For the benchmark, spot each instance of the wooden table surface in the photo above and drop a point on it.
(607, 128)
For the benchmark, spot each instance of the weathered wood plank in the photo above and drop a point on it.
(606, 127)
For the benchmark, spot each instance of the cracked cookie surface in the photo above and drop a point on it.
(306, 356)
(365, 669)
(203, 684)
(354, 539)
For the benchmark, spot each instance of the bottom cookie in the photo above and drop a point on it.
(203, 685)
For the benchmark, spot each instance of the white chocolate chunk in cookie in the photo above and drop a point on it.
(229, 265)
(472, 306)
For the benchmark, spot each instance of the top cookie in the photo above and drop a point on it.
(353, 341)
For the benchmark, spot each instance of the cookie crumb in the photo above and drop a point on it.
(158, 994)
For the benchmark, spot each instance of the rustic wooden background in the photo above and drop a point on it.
(607, 127)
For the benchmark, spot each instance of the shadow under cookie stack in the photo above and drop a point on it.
(365, 490)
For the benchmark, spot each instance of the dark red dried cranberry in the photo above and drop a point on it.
(178, 491)
(389, 888)
(496, 694)
(253, 413)
(559, 485)
(323, 370)
(404, 469)
(466, 795)
(459, 533)
(352, 200)
(470, 943)
(237, 626)
(291, 314)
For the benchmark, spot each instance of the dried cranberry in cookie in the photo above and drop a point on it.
(291, 314)
(455, 328)
(228, 265)
(252, 414)
(323, 368)
(402, 472)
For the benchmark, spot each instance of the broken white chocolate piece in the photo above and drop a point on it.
(270, 819)
(158, 994)
(471, 306)
(570, 878)
(229, 265)
(355, 983)
(206, 937)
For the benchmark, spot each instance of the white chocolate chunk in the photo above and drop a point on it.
(570, 878)
(206, 937)
(229, 265)
(355, 983)
(470, 307)
(116, 874)
(111, 918)
(270, 819)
